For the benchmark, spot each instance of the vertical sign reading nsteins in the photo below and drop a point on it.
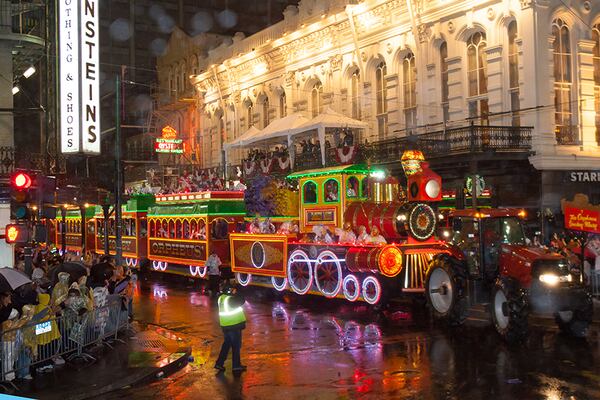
(90, 95)
(79, 76)
(69, 75)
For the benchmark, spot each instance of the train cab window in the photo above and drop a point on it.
(201, 235)
(219, 229)
(133, 229)
(126, 227)
(163, 230)
(331, 190)
(364, 187)
(309, 192)
(91, 229)
(153, 229)
(352, 187)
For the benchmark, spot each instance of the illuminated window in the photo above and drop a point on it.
(381, 97)
(355, 93)
(596, 39)
(352, 187)
(444, 80)
(282, 105)
(309, 192)
(265, 112)
(249, 114)
(331, 191)
(317, 99)
(477, 77)
(409, 78)
(513, 73)
(562, 81)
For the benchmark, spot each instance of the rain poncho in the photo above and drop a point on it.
(54, 333)
(59, 293)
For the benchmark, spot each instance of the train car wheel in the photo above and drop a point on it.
(328, 274)
(156, 265)
(300, 274)
(134, 262)
(371, 290)
(202, 271)
(243, 279)
(279, 283)
(351, 287)
(164, 265)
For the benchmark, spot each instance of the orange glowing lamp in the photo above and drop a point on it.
(390, 261)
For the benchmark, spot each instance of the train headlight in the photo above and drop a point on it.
(432, 188)
(390, 261)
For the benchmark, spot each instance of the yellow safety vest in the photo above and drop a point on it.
(229, 316)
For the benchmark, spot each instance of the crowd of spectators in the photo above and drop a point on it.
(259, 154)
(63, 292)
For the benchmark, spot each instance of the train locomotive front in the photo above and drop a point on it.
(349, 201)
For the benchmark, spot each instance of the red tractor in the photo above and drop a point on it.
(490, 263)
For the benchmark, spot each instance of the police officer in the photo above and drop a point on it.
(232, 320)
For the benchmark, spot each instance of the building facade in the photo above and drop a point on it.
(529, 70)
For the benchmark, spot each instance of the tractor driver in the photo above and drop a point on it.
(491, 246)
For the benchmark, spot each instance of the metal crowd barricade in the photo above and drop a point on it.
(38, 343)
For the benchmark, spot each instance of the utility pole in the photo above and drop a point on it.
(119, 173)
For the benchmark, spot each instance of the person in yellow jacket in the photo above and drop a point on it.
(232, 320)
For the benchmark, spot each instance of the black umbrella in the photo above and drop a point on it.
(74, 269)
(100, 273)
(10, 279)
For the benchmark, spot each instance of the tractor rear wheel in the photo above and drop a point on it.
(509, 312)
(576, 322)
(445, 292)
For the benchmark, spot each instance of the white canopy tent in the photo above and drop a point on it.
(328, 119)
(243, 139)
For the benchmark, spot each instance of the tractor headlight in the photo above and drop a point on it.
(553, 279)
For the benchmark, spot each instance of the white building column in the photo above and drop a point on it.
(494, 69)
(586, 94)
(456, 102)
(537, 80)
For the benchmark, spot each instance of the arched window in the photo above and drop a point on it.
(317, 99)
(355, 93)
(265, 112)
(381, 96)
(352, 187)
(513, 73)
(364, 187)
(331, 190)
(596, 39)
(562, 82)
(477, 77)
(282, 105)
(409, 83)
(309, 192)
(249, 114)
(444, 81)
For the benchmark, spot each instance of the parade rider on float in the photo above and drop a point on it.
(232, 320)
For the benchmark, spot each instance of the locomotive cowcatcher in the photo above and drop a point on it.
(490, 263)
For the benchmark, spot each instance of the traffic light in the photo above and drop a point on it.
(17, 234)
(21, 184)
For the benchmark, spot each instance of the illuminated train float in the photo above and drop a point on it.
(175, 233)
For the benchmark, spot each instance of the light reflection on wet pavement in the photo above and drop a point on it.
(312, 348)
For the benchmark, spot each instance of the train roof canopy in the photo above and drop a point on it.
(203, 203)
(343, 170)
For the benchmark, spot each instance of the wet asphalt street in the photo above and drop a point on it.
(313, 348)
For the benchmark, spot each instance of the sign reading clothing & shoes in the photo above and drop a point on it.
(79, 68)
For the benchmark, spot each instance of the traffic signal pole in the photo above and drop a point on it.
(119, 173)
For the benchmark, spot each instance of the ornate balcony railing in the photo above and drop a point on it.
(10, 160)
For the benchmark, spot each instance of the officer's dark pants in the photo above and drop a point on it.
(213, 284)
(233, 339)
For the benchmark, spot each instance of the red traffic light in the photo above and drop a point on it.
(21, 180)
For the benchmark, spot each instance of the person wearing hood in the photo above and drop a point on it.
(11, 343)
(60, 289)
(28, 348)
(48, 341)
